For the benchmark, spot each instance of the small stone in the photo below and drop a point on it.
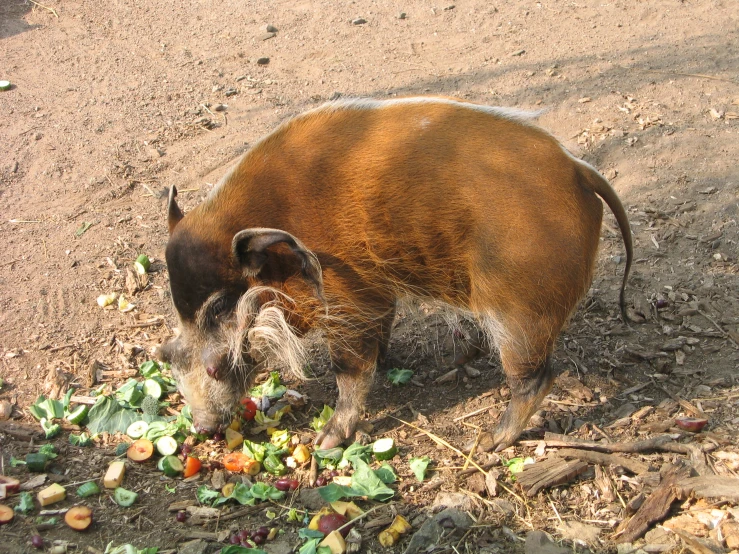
(359, 21)
(579, 532)
(449, 8)
(262, 61)
(38, 136)
(220, 108)
(270, 28)
(311, 499)
(335, 96)
(198, 546)
(625, 410)
(402, 15)
(231, 92)
(518, 53)
(537, 542)
(456, 500)
(267, 36)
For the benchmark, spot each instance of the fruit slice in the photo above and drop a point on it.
(692, 424)
(166, 446)
(124, 497)
(11, 485)
(384, 449)
(152, 388)
(192, 466)
(36, 462)
(78, 518)
(5, 85)
(140, 451)
(335, 542)
(301, 454)
(53, 493)
(88, 489)
(234, 461)
(172, 466)
(6, 514)
(234, 439)
(137, 429)
(332, 522)
(228, 489)
(114, 476)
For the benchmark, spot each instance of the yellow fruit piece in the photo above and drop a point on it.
(392, 534)
(252, 467)
(235, 425)
(343, 480)
(52, 493)
(114, 476)
(301, 454)
(234, 439)
(228, 489)
(347, 509)
(335, 542)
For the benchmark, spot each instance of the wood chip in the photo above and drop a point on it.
(711, 486)
(655, 507)
(548, 473)
(634, 466)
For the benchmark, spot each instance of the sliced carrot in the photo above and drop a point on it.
(192, 466)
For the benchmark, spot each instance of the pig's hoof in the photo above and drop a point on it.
(335, 432)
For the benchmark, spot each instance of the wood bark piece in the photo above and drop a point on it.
(655, 507)
(692, 543)
(19, 431)
(634, 466)
(548, 473)
(711, 486)
(603, 482)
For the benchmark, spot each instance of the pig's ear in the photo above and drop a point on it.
(250, 245)
(174, 213)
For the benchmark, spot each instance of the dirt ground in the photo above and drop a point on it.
(113, 101)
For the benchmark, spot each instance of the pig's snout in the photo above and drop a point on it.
(207, 429)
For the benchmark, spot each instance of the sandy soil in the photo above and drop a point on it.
(113, 101)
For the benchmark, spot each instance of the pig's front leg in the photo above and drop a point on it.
(354, 363)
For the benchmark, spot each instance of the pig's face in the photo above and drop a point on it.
(229, 323)
(210, 363)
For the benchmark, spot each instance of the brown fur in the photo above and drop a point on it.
(440, 200)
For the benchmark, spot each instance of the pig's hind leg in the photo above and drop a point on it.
(355, 348)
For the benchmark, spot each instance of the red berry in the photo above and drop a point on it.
(218, 437)
(321, 481)
(264, 531)
(234, 538)
(37, 541)
(244, 535)
(258, 539)
(181, 516)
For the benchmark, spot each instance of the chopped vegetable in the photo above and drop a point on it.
(691, 424)
(142, 264)
(26, 503)
(140, 451)
(78, 518)
(228, 489)
(322, 419)
(5, 85)
(348, 509)
(137, 429)
(36, 462)
(78, 415)
(53, 493)
(172, 466)
(419, 466)
(192, 466)
(114, 476)
(384, 449)
(392, 534)
(399, 376)
(152, 388)
(50, 428)
(88, 489)
(273, 465)
(124, 497)
(83, 439)
(166, 446)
